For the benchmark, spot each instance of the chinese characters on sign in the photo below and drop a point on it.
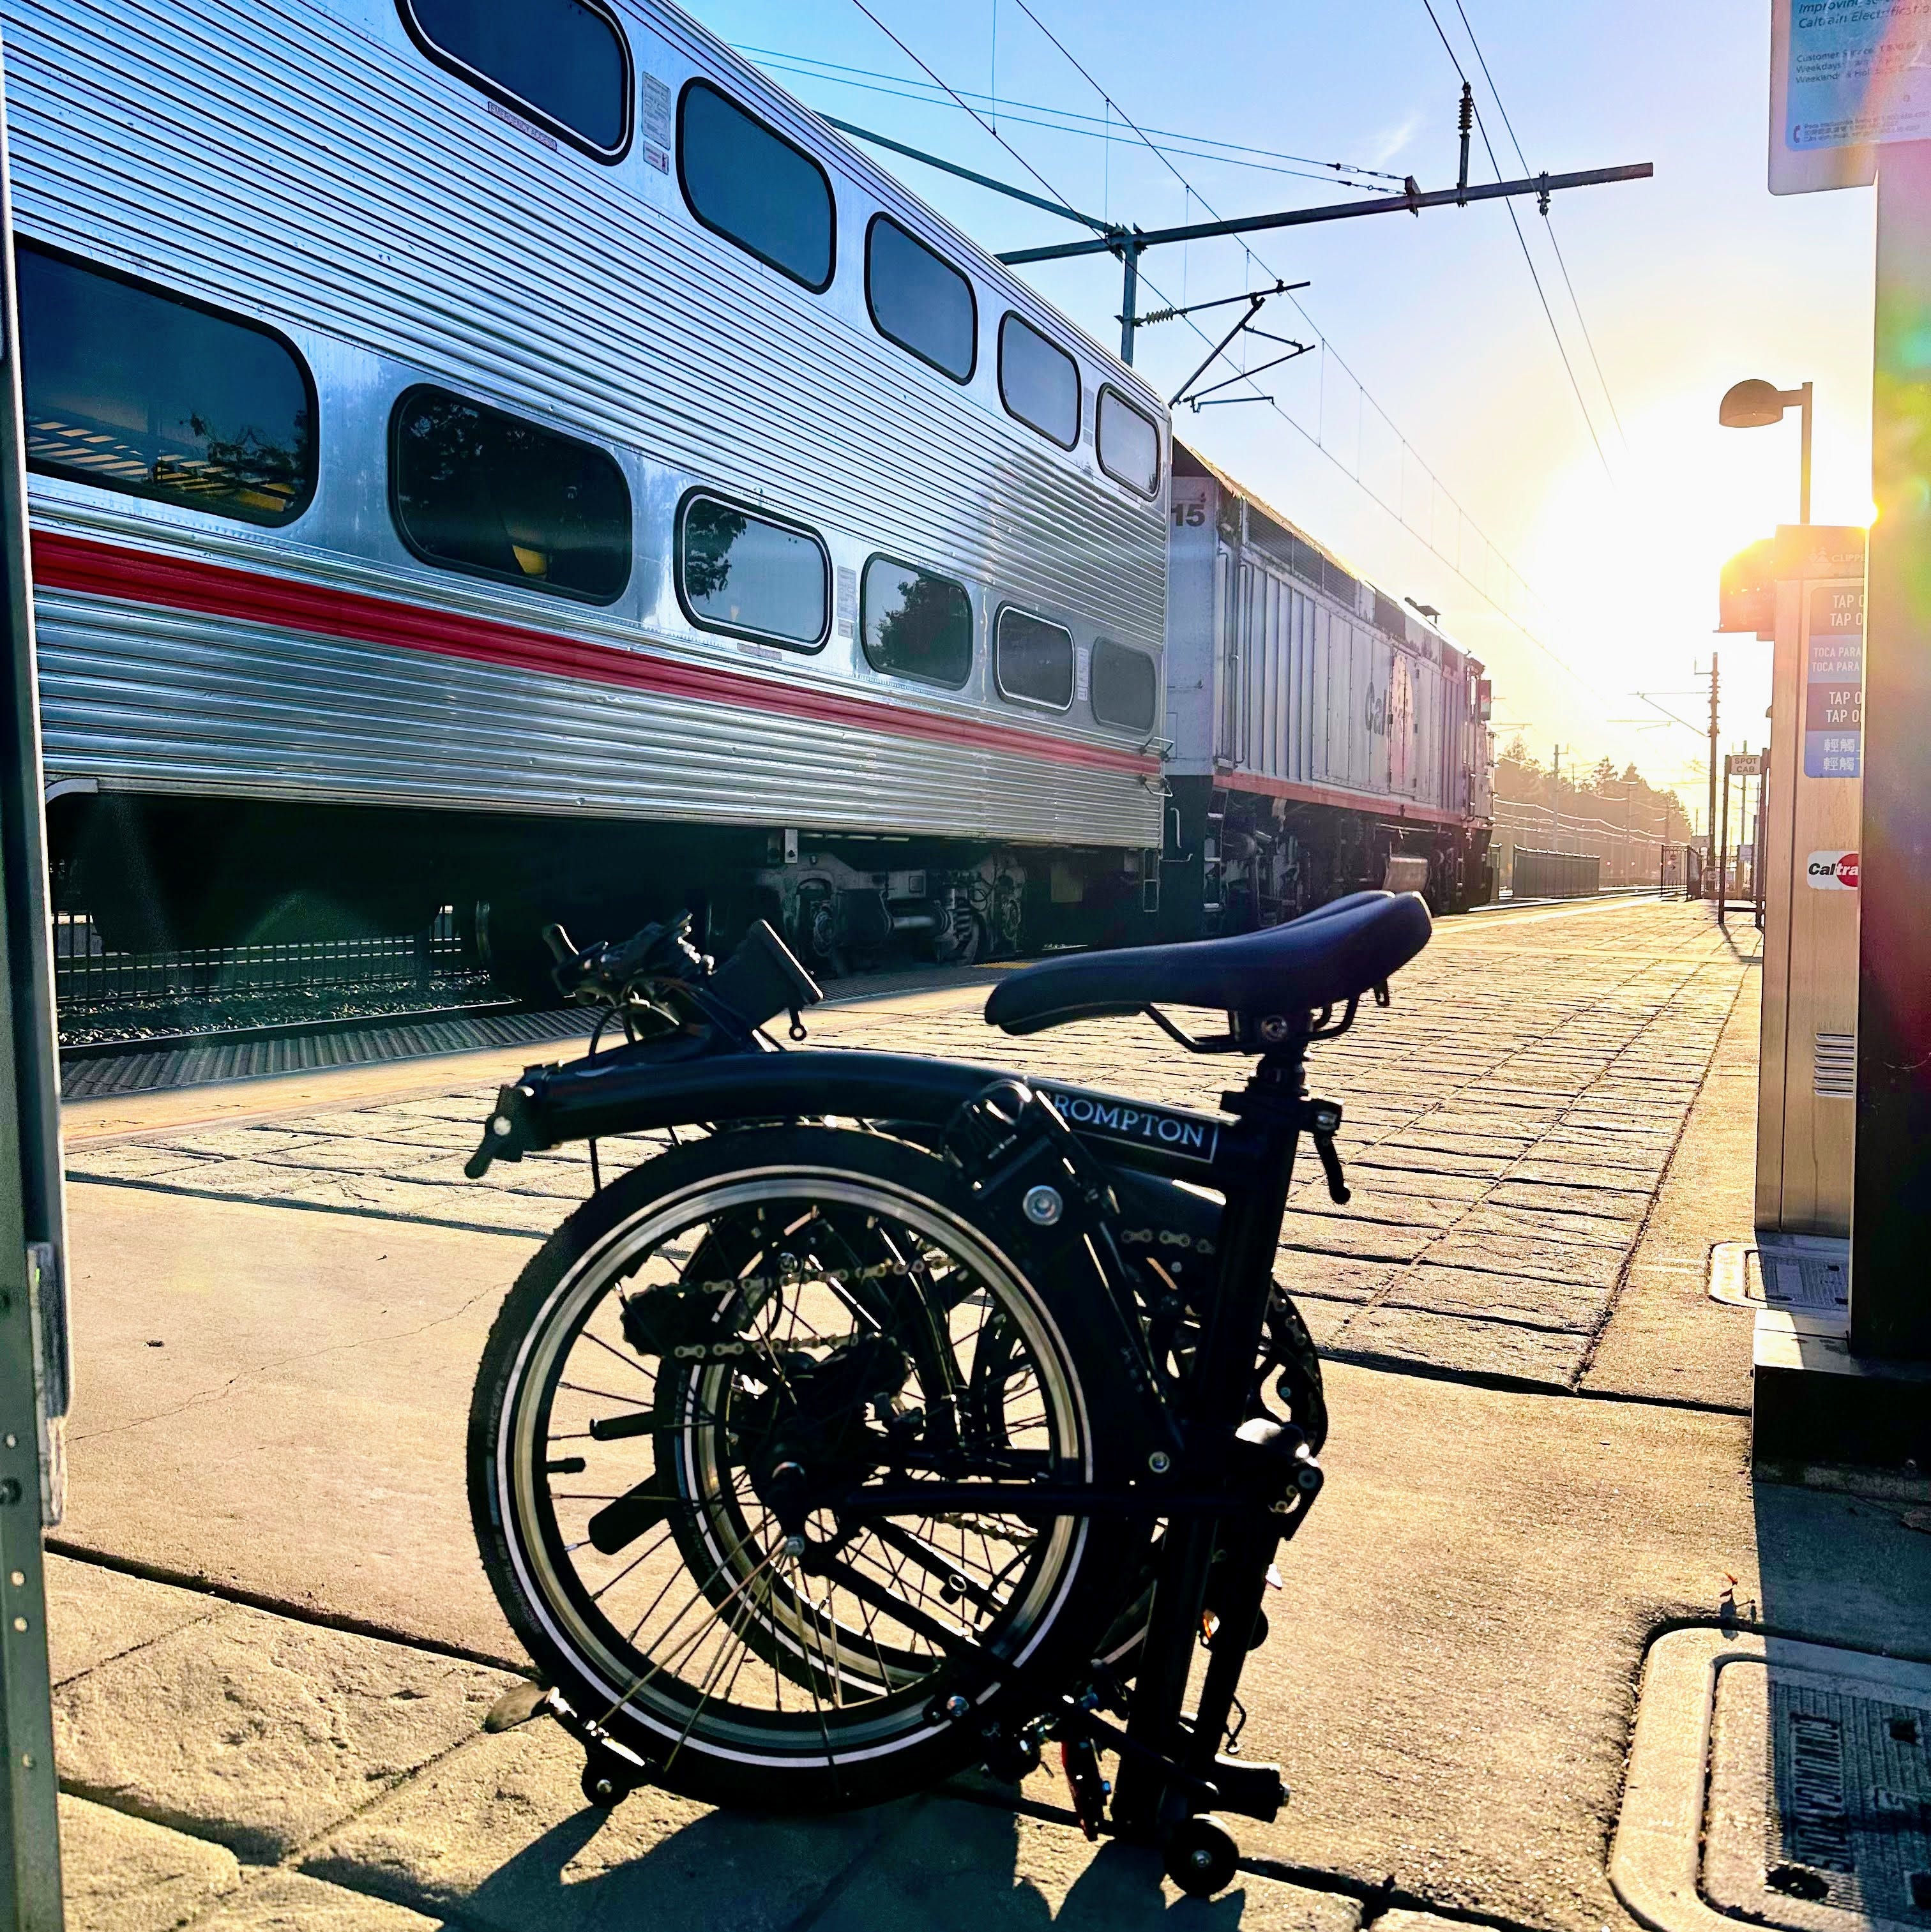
(1833, 686)
(1858, 72)
(1846, 76)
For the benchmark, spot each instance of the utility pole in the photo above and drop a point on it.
(1711, 821)
(1555, 798)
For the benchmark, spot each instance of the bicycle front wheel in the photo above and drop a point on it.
(678, 1411)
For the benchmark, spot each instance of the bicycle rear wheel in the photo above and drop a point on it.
(677, 1404)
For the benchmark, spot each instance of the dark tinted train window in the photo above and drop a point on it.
(1125, 685)
(475, 489)
(1034, 661)
(1129, 444)
(1039, 382)
(921, 300)
(754, 188)
(135, 389)
(743, 573)
(562, 62)
(916, 625)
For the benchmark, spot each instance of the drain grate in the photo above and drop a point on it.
(1820, 1796)
(1809, 1274)
(1808, 1770)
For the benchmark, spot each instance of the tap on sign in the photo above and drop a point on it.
(1833, 686)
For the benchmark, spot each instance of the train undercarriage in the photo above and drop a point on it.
(1237, 859)
(166, 875)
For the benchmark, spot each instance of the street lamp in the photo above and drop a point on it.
(1755, 405)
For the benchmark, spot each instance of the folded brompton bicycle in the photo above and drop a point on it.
(890, 1416)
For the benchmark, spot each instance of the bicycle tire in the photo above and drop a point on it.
(1041, 1614)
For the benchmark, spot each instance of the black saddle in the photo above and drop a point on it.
(1324, 957)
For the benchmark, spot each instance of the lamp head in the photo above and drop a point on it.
(1751, 405)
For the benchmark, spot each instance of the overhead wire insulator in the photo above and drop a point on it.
(1465, 122)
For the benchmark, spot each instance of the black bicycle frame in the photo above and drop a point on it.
(1168, 1760)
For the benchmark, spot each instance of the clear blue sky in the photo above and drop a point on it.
(1687, 283)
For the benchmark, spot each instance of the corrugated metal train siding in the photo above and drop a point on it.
(305, 163)
(1301, 689)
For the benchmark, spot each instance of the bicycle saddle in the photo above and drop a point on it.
(1333, 954)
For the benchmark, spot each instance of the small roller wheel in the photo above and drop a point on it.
(607, 1780)
(1201, 1856)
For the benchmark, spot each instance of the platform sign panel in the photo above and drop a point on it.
(1846, 77)
(1833, 681)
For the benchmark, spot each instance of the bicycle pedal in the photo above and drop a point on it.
(1253, 1790)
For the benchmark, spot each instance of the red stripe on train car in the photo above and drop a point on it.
(131, 575)
(1346, 801)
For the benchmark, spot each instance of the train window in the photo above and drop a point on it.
(1126, 686)
(744, 574)
(133, 389)
(1039, 382)
(746, 180)
(916, 625)
(920, 300)
(1129, 444)
(1033, 661)
(475, 489)
(564, 63)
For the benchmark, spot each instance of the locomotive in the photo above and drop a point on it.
(515, 457)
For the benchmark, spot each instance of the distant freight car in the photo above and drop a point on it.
(1325, 737)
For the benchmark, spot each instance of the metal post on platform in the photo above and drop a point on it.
(1891, 1228)
(34, 1354)
(1723, 852)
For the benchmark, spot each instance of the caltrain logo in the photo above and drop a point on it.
(1832, 871)
(1376, 719)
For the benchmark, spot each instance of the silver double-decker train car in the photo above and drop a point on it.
(507, 454)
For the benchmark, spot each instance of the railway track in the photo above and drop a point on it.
(104, 1069)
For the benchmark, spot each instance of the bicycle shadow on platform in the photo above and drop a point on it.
(937, 1863)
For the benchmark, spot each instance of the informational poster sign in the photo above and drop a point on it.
(1833, 681)
(1846, 76)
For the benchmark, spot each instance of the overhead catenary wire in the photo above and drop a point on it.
(1582, 321)
(1328, 351)
(960, 101)
(1522, 242)
(1068, 121)
(1484, 590)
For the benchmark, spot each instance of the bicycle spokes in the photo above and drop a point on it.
(714, 1403)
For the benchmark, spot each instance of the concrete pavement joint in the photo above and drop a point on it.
(279, 1606)
(1376, 1899)
(299, 1207)
(1649, 1210)
(1416, 1369)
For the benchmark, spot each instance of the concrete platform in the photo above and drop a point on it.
(1540, 1459)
